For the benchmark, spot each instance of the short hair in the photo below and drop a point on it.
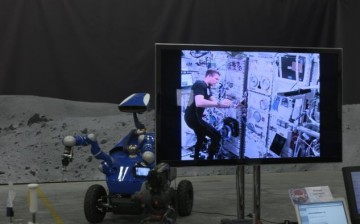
(211, 72)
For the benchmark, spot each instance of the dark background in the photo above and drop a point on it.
(103, 50)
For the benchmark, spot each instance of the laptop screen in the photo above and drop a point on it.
(356, 184)
(351, 176)
(330, 212)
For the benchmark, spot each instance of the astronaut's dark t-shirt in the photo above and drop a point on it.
(199, 88)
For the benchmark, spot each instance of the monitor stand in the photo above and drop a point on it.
(240, 192)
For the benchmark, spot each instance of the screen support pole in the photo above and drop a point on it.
(256, 192)
(240, 191)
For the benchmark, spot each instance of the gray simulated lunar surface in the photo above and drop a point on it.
(32, 128)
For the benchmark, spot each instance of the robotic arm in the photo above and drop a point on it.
(90, 139)
(136, 147)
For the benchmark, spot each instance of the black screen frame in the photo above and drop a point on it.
(167, 124)
(350, 192)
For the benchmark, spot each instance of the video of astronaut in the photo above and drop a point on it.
(274, 104)
(272, 110)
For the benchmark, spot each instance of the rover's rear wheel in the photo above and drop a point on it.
(185, 198)
(93, 206)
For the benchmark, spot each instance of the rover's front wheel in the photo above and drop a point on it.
(93, 204)
(185, 198)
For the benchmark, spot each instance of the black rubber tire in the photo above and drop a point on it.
(185, 198)
(91, 205)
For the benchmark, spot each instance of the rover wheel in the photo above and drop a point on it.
(94, 212)
(185, 198)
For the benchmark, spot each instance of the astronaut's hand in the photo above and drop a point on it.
(225, 103)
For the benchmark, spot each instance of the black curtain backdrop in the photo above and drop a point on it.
(103, 50)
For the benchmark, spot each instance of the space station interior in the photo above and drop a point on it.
(275, 103)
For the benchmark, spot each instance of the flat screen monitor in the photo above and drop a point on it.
(351, 177)
(231, 105)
